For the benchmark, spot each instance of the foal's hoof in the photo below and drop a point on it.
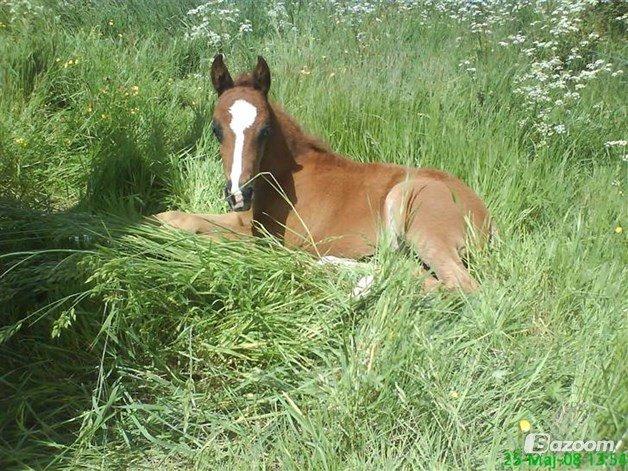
(362, 287)
(470, 286)
(431, 284)
(466, 284)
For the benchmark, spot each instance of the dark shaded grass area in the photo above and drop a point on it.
(126, 345)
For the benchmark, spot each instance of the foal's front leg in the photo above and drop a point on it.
(230, 225)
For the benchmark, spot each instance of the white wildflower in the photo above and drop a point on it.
(620, 143)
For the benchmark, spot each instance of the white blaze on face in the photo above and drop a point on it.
(242, 117)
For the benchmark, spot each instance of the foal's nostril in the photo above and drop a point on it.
(240, 200)
(247, 193)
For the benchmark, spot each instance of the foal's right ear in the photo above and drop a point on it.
(261, 75)
(221, 79)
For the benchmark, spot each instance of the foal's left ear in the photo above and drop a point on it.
(261, 75)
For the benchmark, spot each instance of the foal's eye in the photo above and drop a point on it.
(217, 131)
(264, 132)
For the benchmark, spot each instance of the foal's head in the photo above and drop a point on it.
(241, 123)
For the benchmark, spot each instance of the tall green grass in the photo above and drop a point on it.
(125, 345)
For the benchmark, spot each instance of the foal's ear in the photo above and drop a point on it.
(221, 79)
(261, 75)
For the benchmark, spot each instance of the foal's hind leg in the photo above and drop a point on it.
(230, 225)
(425, 215)
(443, 259)
(395, 223)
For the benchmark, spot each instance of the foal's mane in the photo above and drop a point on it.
(297, 140)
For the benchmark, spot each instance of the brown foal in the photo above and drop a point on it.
(286, 183)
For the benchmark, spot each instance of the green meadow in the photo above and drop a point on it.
(124, 345)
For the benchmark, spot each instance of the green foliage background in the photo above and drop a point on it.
(126, 345)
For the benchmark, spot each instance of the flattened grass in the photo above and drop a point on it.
(127, 345)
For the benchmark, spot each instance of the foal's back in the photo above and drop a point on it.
(340, 207)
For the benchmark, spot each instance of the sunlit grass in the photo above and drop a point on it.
(123, 344)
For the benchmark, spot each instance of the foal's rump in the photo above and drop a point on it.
(438, 202)
(438, 216)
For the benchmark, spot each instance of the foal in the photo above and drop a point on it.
(283, 182)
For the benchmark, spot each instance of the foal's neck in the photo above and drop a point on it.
(287, 144)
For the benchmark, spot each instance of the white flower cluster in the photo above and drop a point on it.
(620, 146)
(559, 70)
(22, 9)
(558, 49)
(222, 21)
(356, 12)
(279, 18)
(480, 16)
(352, 12)
(550, 88)
(514, 39)
(620, 143)
(467, 66)
(218, 21)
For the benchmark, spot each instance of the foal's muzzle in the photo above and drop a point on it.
(240, 200)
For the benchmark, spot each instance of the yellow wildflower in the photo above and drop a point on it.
(20, 141)
(135, 89)
(619, 230)
(454, 394)
(524, 425)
